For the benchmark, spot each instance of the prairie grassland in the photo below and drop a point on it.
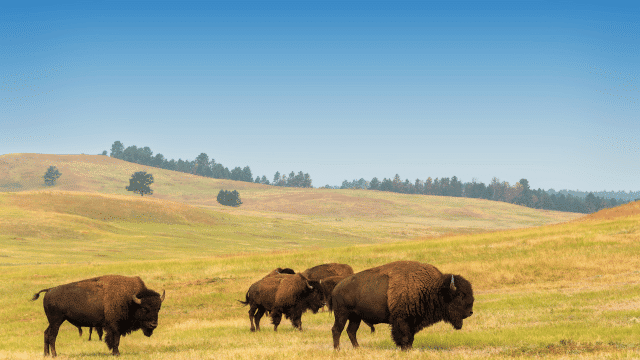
(381, 216)
(568, 290)
(101, 227)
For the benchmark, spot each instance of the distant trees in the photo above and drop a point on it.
(520, 193)
(229, 198)
(293, 180)
(202, 166)
(356, 184)
(51, 176)
(139, 183)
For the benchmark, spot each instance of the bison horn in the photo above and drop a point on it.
(309, 286)
(452, 286)
(162, 297)
(137, 300)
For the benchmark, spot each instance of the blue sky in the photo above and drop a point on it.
(546, 91)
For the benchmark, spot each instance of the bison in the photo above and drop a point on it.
(408, 295)
(288, 294)
(119, 304)
(98, 330)
(324, 271)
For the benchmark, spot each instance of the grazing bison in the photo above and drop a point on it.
(119, 304)
(319, 272)
(407, 295)
(288, 294)
(98, 330)
(324, 271)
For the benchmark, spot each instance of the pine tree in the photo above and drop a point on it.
(51, 176)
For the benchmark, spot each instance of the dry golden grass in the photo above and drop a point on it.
(568, 290)
(381, 216)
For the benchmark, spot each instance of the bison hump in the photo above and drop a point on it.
(411, 284)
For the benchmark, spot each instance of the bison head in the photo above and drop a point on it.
(146, 310)
(458, 297)
(298, 290)
(316, 298)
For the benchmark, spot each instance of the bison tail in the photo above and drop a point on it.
(246, 300)
(37, 295)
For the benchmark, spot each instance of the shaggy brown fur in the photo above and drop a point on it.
(320, 272)
(405, 294)
(328, 284)
(280, 294)
(119, 304)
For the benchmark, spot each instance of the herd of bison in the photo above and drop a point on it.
(408, 295)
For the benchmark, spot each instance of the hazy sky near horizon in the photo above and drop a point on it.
(542, 90)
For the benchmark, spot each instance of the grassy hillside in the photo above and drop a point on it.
(547, 284)
(559, 291)
(380, 216)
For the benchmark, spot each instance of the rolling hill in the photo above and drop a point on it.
(397, 216)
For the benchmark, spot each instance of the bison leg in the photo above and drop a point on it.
(50, 336)
(90, 331)
(80, 332)
(113, 341)
(297, 322)
(373, 329)
(352, 329)
(51, 333)
(276, 317)
(252, 313)
(338, 326)
(258, 316)
(402, 334)
(99, 331)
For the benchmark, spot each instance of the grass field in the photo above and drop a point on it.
(568, 289)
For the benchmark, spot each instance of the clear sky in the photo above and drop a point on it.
(546, 91)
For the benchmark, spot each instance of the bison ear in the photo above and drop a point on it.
(162, 297)
(136, 300)
(448, 288)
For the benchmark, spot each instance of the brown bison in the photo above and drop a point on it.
(319, 272)
(288, 294)
(324, 271)
(98, 330)
(408, 295)
(119, 304)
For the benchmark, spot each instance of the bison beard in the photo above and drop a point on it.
(119, 304)
(405, 294)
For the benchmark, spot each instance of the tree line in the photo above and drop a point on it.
(203, 166)
(520, 193)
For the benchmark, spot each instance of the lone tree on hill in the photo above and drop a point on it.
(139, 183)
(229, 198)
(51, 176)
